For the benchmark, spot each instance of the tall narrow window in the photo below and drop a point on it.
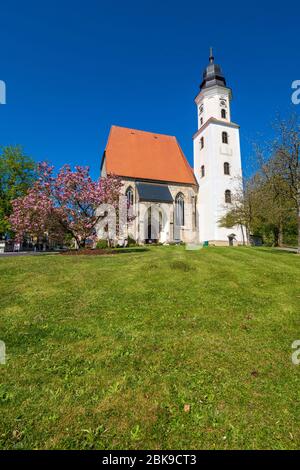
(223, 113)
(202, 171)
(224, 137)
(201, 121)
(226, 168)
(179, 209)
(201, 142)
(228, 196)
(160, 223)
(129, 195)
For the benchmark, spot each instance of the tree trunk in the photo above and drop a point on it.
(280, 235)
(248, 234)
(243, 235)
(82, 243)
(276, 236)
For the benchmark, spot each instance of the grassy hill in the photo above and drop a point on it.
(159, 348)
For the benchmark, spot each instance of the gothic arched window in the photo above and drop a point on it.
(202, 171)
(226, 168)
(228, 196)
(224, 137)
(129, 195)
(223, 113)
(179, 209)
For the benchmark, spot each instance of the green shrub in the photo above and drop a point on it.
(101, 244)
(131, 241)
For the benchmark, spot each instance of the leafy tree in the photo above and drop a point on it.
(65, 204)
(267, 203)
(279, 167)
(275, 210)
(286, 161)
(17, 174)
(243, 211)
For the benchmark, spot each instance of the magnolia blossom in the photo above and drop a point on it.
(64, 204)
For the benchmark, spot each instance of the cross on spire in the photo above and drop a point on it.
(211, 57)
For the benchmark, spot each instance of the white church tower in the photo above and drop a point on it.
(217, 157)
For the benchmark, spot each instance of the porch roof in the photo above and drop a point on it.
(154, 192)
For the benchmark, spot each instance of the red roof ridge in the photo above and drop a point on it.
(142, 131)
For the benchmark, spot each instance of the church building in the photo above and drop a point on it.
(172, 202)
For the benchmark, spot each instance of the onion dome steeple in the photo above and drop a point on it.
(213, 74)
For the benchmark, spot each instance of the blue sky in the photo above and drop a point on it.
(72, 69)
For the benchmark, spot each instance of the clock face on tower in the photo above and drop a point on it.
(223, 103)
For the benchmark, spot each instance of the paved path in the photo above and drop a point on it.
(287, 248)
(27, 253)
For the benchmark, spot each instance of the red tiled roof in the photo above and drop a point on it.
(146, 155)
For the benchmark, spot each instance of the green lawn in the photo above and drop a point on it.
(105, 352)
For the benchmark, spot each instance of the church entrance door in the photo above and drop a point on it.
(153, 224)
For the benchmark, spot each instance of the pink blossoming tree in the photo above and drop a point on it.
(65, 204)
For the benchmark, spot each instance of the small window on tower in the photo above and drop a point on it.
(226, 168)
(201, 142)
(202, 171)
(224, 137)
(228, 196)
(201, 109)
(223, 113)
(201, 121)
